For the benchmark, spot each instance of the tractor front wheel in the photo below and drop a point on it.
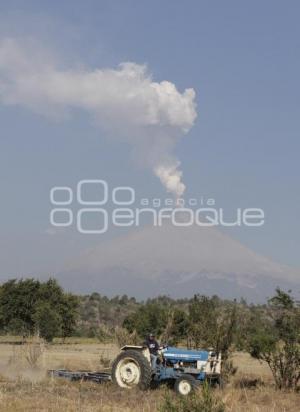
(185, 384)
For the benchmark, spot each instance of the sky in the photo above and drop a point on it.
(242, 60)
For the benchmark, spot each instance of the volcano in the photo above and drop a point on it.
(179, 262)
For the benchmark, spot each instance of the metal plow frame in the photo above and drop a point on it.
(98, 377)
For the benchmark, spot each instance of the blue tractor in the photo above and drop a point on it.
(185, 369)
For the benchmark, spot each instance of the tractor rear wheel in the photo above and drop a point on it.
(131, 369)
(185, 384)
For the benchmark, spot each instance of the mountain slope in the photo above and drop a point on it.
(178, 261)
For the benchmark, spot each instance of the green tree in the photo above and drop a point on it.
(17, 305)
(48, 322)
(151, 317)
(23, 307)
(275, 339)
(69, 311)
(176, 327)
(202, 329)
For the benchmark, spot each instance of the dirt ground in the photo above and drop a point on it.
(24, 385)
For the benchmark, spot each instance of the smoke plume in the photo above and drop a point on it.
(124, 102)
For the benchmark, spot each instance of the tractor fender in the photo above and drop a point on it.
(139, 348)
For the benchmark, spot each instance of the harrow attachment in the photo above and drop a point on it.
(98, 377)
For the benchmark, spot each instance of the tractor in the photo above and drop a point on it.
(184, 369)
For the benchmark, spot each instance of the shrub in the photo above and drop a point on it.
(201, 400)
(33, 351)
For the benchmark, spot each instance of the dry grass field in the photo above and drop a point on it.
(25, 387)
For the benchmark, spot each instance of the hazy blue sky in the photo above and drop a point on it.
(243, 60)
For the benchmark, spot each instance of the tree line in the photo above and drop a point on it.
(270, 332)
(29, 307)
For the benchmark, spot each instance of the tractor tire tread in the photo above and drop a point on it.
(146, 372)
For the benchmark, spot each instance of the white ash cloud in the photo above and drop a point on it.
(125, 102)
